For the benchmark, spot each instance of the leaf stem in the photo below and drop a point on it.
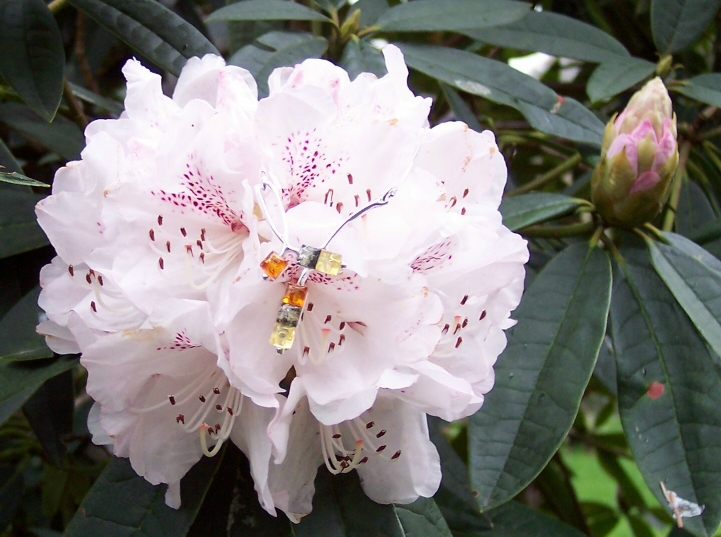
(555, 232)
(676, 185)
(596, 237)
(608, 243)
(547, 177)
(75, 105)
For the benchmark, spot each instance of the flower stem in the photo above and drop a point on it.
(570, 230)
(668, 220)
(547, 177)
(608, 243)
(596, 237)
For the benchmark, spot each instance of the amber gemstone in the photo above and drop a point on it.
(295, 294)
(282, 337)
(328, 263)
(289, 315)
(308, 256)
(273, 265)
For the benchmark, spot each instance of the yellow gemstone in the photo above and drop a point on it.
(273, 265)
(328, 263)
(295, 294)
(282, 337)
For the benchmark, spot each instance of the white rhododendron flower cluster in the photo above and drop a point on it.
(308, 275)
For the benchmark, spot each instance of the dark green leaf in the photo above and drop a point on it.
(121, 503)
(32, 59)
(677, 24)
(611, 78)
(370, 10)
(513, 519)
(341, 509)
(496, 81)
(536, 207)
(694, 212)
(705, 88)
(11, 486)
(360, 57)
(20, 377)
(558, 492)
(435, 15)
(541, 375)
(277, 49)
(460, 109)
(7, 159)
(694, 278)
(19, 230)
(631, 495)
(708, 232)
(266, 10)
(422, 518)
(18, 338)
(114, 108)
(50, 414)
(147, 26)
(9, 406)
(554, 34)
(19, 179)
(676, 437)
(62, 135)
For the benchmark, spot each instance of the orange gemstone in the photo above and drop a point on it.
(295, 295)
(273, 265)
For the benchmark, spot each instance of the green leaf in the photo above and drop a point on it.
(7, 159)
(122, 504)
(114, 108)
(708, 232)
(32, 59)
(496, 81)
(370, 10)
(554, 34)
(513, 519)
(694, 278)
(453, 15)
(9, 406)
(460, 109)
(18, 378)
(150, 28)
(266, 10)
(11, 486)
(676, 437)
(19, 229)
(50, 414)
(613, 77)
(422, 518)
(677, 24)
(360, 57)
(534, 208)
(19, 179)
(18, 339)
(541, 375)
(277, 49)
(705, 88)
(61, 136)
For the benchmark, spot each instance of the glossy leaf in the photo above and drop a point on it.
(50, 414)
(18, 378)
(277, 49)
(431, 16)
(360, 57)
(460, 108)
(613, 77)
(121, 503)
(16, 178)
(7, 159)
(370, 10)
(554, 34)
(496, 81)
(32, 59)
(541, 375)
(61, 136)
(422, 517)
(705, 88)
(694, 278)
(150, 28)
(676, 24)
(513, 519)
(266, 10)
(114, 108)
(19, 230)
(675, 436)
(18, 339)
(536, 207)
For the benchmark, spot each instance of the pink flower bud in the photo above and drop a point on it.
(638, 159)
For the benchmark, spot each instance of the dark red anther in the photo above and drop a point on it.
(339, 207)
(202, 398)
(180, 419)
(152, 234)
(465, 322)
(396, 455)
(216, 391)
(160, 220)
(161, 263)
(483, 315)
(310, 306)
(230, 410)
(202, 234)
(71, 270)
(445, 329)
(363, 460)
(100, 280)
(183, 232)
(327, 319)
(370, 424)
(350, 179)
(93, 306)
(331, 347)
(167, 246)
(381, 433)
(171, 399)
(368, 193)
(459, 341)
(218, 407)
(380, 448)
(336, 436)
(88, 279)
(464, 300)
